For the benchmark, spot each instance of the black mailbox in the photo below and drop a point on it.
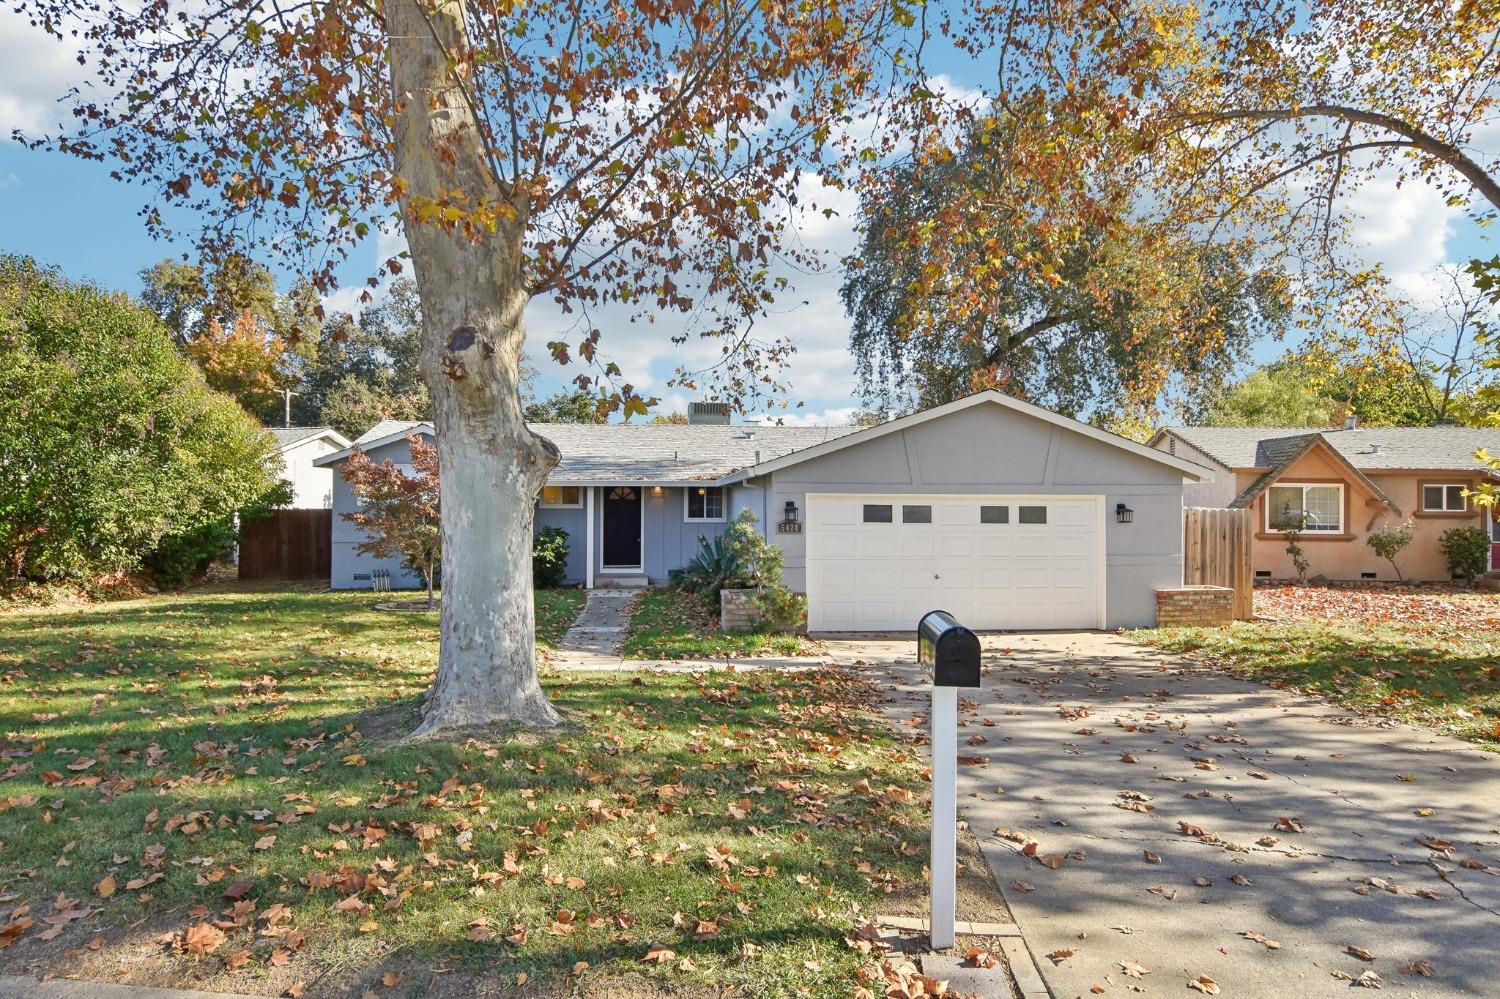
(948, 649)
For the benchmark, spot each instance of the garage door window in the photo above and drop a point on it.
(994, 515)
(916, 515)
(877, 513)
(1033, 515)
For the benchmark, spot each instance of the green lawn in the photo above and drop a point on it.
(668, 623)
(1436, 664)
(211, 785)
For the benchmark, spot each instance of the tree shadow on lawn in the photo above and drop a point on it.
(235, 759)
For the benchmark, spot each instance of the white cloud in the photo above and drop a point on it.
(837, 416)
(39, 70)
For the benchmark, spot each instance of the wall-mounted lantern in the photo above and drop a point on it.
(1123, 514)
(789, 523)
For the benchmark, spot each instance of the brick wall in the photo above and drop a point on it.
(1194, 607)
(737, 610)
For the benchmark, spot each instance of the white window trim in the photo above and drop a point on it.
(1341, 529)
(562, 506)
(723, 506)
(1444, 486)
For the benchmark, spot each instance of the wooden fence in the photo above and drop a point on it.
(1216, 552)
(289, 544)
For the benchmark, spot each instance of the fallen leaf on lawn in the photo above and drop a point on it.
(106, 887)
(660, 954)
(265, 842)
(1289, 823)
(1204, 984)
(202, 938)
(1418, 968)
(298, 990)
(1359, 952)
(391, 979)
(237, 960)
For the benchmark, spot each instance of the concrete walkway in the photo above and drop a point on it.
(593, 642)
(1209, 826)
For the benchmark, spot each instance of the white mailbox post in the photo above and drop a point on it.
(950, 652)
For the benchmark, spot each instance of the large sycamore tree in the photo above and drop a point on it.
(635, 153)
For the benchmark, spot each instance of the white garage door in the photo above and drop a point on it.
(878, 563)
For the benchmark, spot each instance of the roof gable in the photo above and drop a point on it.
(1293, 450)
(1187, 468)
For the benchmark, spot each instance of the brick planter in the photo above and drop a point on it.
(1195, 607)
(737, 610)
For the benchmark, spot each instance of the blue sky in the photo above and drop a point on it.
(73, 214)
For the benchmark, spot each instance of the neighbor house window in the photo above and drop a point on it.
(563, 496)
(1444, 497)
(1306, 507)
(705, 503)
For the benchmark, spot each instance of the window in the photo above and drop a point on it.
(1313, 509)
(877, 513)
(1445, 497)
(564, 496)
(994, 515)
(916, 515)
(1033, 515)
(705, 503)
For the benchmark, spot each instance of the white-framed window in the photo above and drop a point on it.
(566, 497)
(704, 503)
(1312, 507)
(1444, 497)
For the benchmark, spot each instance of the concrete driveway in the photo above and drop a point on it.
(1206, 826)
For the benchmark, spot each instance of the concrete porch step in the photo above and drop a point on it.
(602, 582)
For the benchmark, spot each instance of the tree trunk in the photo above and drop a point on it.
(473, 295)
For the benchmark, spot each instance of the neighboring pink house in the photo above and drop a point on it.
(1345, 483)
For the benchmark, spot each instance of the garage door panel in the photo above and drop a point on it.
(991, 576)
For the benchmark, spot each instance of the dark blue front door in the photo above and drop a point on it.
(622, 528)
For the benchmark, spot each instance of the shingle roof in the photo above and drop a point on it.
(1366, 448)
(287, 436)
(647, 452)
(384, 429)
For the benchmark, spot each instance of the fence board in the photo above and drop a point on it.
(289, 544)
(1216, 552)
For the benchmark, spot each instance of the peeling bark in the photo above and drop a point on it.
(473, 294)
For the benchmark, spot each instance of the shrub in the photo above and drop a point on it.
(1467, 550)
(109, 440)
(1388, 542)
(1294, 551)
(400, 511)
(549, 557)
(716, 567)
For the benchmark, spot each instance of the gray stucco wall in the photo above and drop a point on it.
(988, 449)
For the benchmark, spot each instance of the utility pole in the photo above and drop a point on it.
(286, 395)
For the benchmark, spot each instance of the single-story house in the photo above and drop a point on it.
(312, 484)
(1001, 512)
(1344, 483)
